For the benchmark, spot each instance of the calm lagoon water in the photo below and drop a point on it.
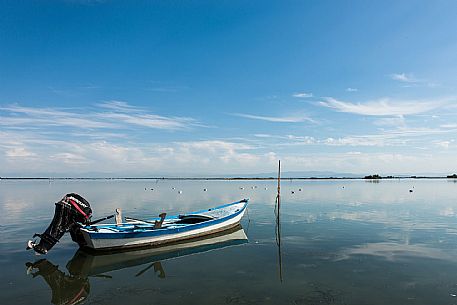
(341, 242)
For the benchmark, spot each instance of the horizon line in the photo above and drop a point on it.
(369, 177)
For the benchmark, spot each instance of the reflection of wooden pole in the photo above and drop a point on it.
(278, 223)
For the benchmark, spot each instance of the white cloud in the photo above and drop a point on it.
(444, 144)
(418, 132)
(111, 146)
(356, 141)
(215, 151)
(284, 119)
(119, 106)
(150, 120)
(38, 117)
(386, 106)
(302, 95)
(218, 156)
(354, 153)
(48, 121)
(289, 137)
(19, 152)
(30, 111)
(399, 136)
(380, 162)
(192, 157)
(302, 139)
(349, 89)
(214, 145)
(453, 126)
(263, 135)
(409, 80)
(398, 121)
(222, 157)
(70, 158)
(121, 115)
(403, 77)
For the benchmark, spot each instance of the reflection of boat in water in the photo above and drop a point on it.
(66, 289)
(92, 263)
(74, 287)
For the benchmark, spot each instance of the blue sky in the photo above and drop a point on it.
(194, 88)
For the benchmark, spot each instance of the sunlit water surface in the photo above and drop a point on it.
(341, 242)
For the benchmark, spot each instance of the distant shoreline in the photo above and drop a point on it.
(227, 178)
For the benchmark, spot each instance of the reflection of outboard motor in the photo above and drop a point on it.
(66, 289)
(71, 211)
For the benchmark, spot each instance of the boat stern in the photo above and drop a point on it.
(82, 238)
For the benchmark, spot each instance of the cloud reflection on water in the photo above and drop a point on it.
(397, 252)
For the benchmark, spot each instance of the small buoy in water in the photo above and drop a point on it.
(299, 190)
(241, 188)
(343, 186)
(292, 192)
(152, 189)
(179, 192)
(173, 188)
(266, 188)
(410, 191)
(204, 190)
(144, 188)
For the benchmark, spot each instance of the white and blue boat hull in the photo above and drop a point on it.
(142, 233)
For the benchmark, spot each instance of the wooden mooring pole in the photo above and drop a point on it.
(278, 196)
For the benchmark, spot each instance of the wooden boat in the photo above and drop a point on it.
(85, 263)
(160, 231)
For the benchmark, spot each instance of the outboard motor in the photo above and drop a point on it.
(70, 213)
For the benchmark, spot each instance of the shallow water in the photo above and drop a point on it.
(342, 242)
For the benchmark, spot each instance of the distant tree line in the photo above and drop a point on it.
(375, 176)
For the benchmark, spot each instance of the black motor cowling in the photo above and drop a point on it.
(70, 213)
